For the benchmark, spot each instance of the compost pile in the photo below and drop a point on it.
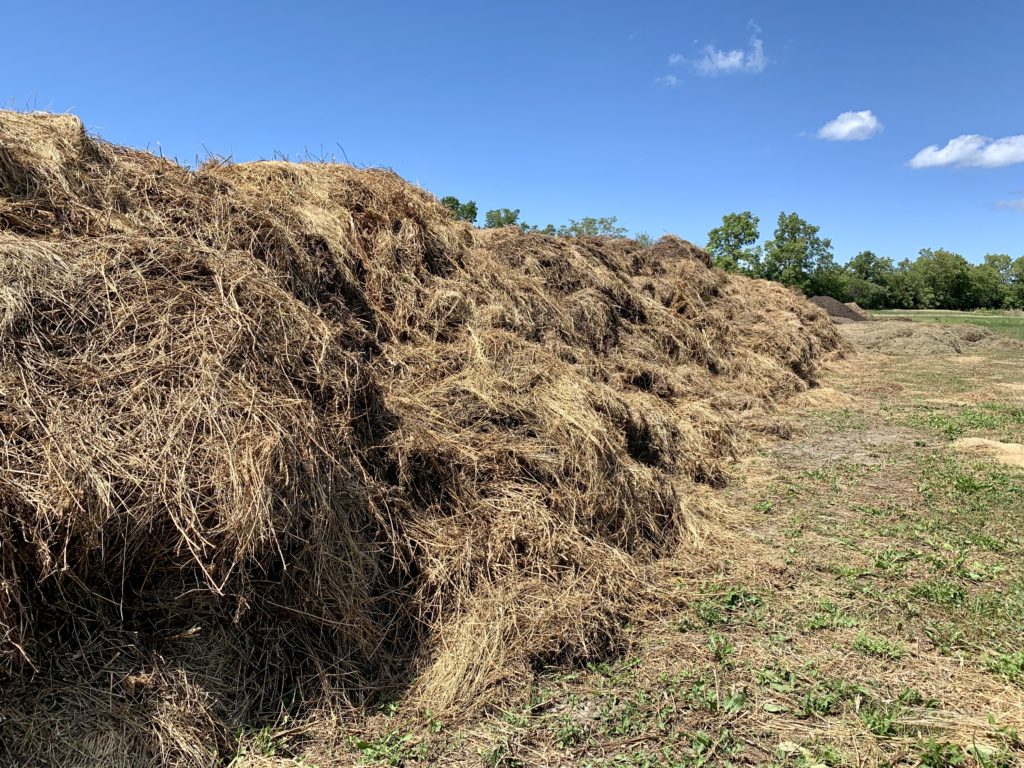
(284, 437)
(838, 310)
(858, 310)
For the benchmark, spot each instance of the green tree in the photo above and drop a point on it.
(795, 252)
(945, 277)
(829, 279)
(1015, 293)
(644, 239)
(868, 266)
(906, 288)
(501, 217)
(588, 226)
(1002, 264)
(461, 211)
(732, 246)
(987, 289)
(867, 294)
(548, 229)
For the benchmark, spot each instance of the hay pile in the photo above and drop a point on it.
(279, 437)
(899, 337)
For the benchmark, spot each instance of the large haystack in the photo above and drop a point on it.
(278, 436)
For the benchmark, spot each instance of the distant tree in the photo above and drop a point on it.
(644, 239)
(589, 226)
(828, 279)
(1002, 264)
(1015, 294)
(732, 246)
(795, 252)
(548, 229)
(867, 266)
(987, 289)
(501, 217)
(945, 277)
(906, 288)
(867, 294)
(461, 211)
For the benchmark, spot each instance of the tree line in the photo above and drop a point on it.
(606, 226)
(798, 256)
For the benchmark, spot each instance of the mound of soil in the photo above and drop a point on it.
(836, 308)
(856, 309)
(283, 436)
(912, 338)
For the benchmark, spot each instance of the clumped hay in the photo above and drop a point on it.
(914, 338)
(288, 436)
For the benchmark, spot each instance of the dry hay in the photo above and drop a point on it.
(837, 310)
(903, 338)
(283, 436)
(1011, 454)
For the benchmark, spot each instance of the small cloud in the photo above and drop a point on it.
(851, 126)
(676, 59)
(971, 151)
(669, 81)
(717, 61)
(1011, 205)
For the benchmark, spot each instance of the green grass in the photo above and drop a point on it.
(1000, 420)
(997, 321)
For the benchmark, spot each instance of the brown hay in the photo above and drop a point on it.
(912, 338)
(279, 436)
(1011, 454)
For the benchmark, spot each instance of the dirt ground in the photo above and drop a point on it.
(861, 604)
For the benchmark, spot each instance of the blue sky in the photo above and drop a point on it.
(667, 115)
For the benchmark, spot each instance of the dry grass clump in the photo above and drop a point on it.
(279, 436)
(891, 337)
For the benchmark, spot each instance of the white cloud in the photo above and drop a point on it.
(1011, 205)
(676, 59)
(971, 150)
(851, 126)
(721, 62)
(669, 81)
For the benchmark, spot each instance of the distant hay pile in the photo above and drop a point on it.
(899, 337)
(276, 437)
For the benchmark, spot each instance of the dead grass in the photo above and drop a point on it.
(277, 440)
(914, 339)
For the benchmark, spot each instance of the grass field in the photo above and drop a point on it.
(1007, 323)
(860, 604)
